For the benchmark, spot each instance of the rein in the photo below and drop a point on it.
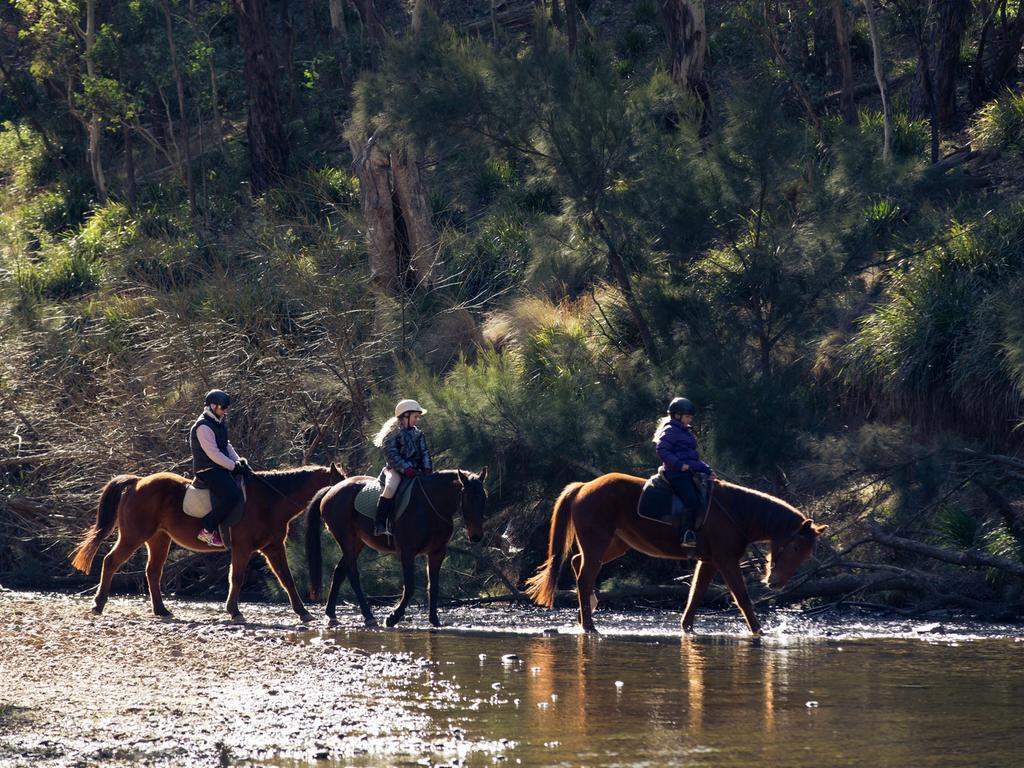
(440, 517)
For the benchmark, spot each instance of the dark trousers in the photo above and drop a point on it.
(224, 496)
(684, 487)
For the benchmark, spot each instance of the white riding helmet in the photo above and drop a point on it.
(408, 405)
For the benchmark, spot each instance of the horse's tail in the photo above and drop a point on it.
(314, 559)
(541, 586)
(106, 519)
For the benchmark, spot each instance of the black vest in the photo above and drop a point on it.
(200, 460)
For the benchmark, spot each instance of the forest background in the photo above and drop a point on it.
(543, 219)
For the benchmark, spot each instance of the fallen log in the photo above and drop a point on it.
(970, 557)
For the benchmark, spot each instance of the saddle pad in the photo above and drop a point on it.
(197, 503)
(366, 499)
(659, 503)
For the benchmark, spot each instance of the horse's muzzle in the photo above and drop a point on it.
(476, 538)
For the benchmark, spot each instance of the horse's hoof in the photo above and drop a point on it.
(687, 629)
(436, 623)
(591, 630)
(371, 623)
(163, 614)
(391, 620)
(305, 617)
(97, 610)
(238, 618)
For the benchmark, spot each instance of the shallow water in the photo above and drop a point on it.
(500, 687)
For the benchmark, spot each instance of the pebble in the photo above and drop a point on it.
(811, 705)
(619, 684)
(509, 658)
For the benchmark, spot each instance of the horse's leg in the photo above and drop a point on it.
(734, 578)
(593, 543)
(236, 577)
(124, 548)
(351, 560)
(615, 550)
(408, 559)
(434, 560)
(336, 581)
(703, 573)
(158, 546)
(277, 559)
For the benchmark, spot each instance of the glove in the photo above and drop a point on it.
(242, 467)
(409, 472)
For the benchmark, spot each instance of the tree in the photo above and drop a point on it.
(182, 112)
(883, 89)
(846, 105)
(686, 34)
(268, 146)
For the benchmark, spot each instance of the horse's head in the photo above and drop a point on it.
(789, 552)
(474, 503)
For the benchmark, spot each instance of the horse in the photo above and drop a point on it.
(147, 510)
(423, 529)
(601, 518)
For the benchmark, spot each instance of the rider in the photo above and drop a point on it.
(677, 449)
(213, 461)
(405, 454)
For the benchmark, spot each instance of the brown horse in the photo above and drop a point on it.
(147, 510)
(423, 529)
(601, 518)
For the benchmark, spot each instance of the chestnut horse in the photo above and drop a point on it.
(423, 529)
(147, 510)
(601, 518)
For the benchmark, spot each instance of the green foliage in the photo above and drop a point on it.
(1000, 123)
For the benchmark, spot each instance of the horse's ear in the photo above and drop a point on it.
(819, 529)
(463, 477)
(483, 474)
(810, 528)
(336, 472)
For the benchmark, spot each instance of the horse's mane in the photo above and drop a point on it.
(770, 508)
(288, 480)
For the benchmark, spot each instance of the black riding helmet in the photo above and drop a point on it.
(681, 405)
(218, 397)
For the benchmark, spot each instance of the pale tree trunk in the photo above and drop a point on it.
(337, 10)
(371, 166)
(93, 127)
(182, 114)
(846, 106)
(883, 88)
(419, 12)
(414, 201)
(686, 34)
(129, 165)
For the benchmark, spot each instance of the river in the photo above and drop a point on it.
(501, 686)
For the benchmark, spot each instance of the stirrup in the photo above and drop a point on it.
(688, 540)
(382, 528)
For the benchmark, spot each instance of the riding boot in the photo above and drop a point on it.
(687, 536)
(382, 518)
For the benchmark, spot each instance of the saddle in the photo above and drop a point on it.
(659, 503)
(197, 504)
(366, 499)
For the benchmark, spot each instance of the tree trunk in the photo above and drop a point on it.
(846, 106)
(182, 114)
(556, 14)
(337, 10)
(950, 27)
(798, 87)
(571, 14)
(686, 35)
(1006, 60)
(371, 166)
(93, 129)
(129, 166)
(419, 12)
(268, 148)
(883, 89)
(372, 22)
(414, 203)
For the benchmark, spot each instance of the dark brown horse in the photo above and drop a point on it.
(423, 529)
(600, 517)
(147, 510)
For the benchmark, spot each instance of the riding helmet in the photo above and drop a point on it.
(218, 397)
(405, 406)
(681, 405)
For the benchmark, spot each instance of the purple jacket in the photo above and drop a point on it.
(677, 445)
